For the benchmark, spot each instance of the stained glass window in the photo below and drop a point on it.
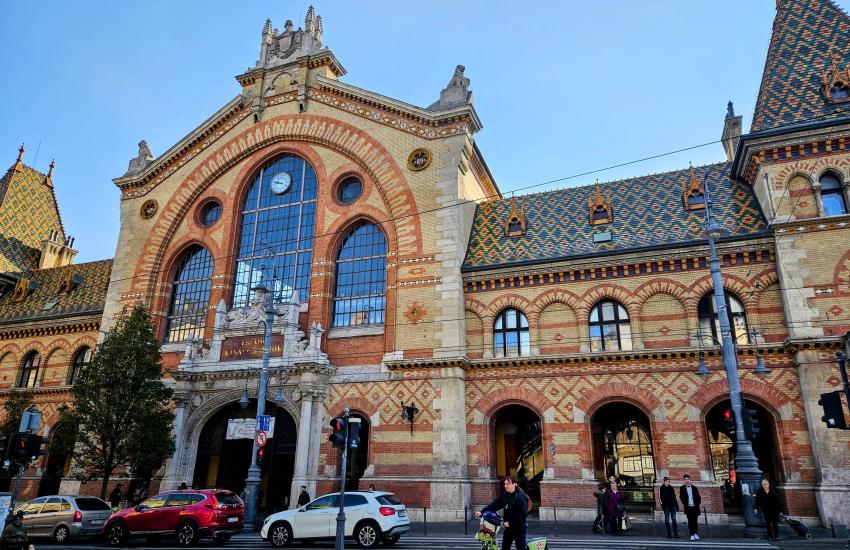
(276, 240)
(361, 278)
(190, 297)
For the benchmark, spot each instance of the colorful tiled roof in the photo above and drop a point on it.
(28, 214)
(88, 297)
(807, 36)
(648, 212)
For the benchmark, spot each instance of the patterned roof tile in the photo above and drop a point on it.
(807, 36)
(648, 211)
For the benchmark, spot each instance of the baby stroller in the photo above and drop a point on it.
(488, 530)
(798, 527)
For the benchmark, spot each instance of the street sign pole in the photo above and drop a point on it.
(340, 517)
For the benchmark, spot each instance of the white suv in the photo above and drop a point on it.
(371, 517)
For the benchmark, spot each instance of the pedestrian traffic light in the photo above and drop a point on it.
(729, 422)
(833, 412)
(261, 456)
(337, 438)
(25, 447)
(752, 429)
(354, 432)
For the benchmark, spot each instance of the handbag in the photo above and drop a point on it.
(627, 523)
(621, 507)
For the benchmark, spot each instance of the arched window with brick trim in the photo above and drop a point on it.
(29, 370)
(361, 277)
(709, 322)
(609, 327)
(510, 334)
(81, 361)
(832, 195)
(190, 296)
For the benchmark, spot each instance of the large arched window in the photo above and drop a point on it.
(832, 196)
(361, 277)
(29, 370)
(81, 361)
(709, 323)
(609, 327)
(510, 334)
(276, 237)
(190, 296)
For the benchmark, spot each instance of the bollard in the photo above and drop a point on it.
(425, 519)
(653, 520)
(705, 515)
(465, 521)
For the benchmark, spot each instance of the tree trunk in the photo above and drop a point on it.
(107, 473)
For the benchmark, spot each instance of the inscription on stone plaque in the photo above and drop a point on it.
(249, 347)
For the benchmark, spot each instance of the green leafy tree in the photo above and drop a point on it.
(16, 403)
(121, 403)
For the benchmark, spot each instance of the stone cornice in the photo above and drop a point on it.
(35, 327)
(38, 390)
(810, 225)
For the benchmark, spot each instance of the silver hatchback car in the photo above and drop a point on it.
(62, 517)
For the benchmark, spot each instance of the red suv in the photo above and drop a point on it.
(187, 514)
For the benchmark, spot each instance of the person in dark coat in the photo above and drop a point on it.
(599, 493)
(689, 495)
(670, 506)
(15, 534)
(115, 497)
(768, 503)
(303, 496)
(515, 505)
(615, 507)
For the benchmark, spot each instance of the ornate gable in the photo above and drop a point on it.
(600, 210)
(515, 224)
(693, 193)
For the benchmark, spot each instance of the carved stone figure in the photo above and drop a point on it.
(141, 161)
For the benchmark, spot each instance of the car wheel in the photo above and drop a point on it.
(367, 535)
(280, 535)
(186, 534)
(61, 535)
(116, 535)
(220, 540)
(390, 541)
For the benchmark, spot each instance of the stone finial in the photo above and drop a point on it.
(730, 110)
(457, 92)
(732, 127)
(320, 29)
(52, 165)
(310, 20)
(21, 153)
(287, 27)
(267, 28)
(140, 162)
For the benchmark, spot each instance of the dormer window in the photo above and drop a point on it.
(693, 193)
(600, 208)
(836, 83)
(516, 224)
(840, 91)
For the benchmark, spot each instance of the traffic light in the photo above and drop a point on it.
(337, 438)
(353, 432)
(3, 441)
(833, 412)
(261, 456)
(751, 423)
(729, 422)
(25, 447)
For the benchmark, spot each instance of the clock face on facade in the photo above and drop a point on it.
(281, 182)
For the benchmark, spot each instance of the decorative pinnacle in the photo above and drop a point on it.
(267, 28)
(52, 164)
(21, 152)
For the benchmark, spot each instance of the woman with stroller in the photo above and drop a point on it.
(514, 502)
(615, 508)
(768, 503)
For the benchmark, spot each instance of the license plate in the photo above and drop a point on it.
(232, 520)
(96, 522)
(402, 514)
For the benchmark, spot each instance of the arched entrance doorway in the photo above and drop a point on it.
(358, 458)
(721, 443)
(63, 436)
(518, 438)
(622, 446)
(223, 461)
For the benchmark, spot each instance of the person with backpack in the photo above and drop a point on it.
(516, 505)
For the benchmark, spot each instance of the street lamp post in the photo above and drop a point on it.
(252, 482)
(746, 464)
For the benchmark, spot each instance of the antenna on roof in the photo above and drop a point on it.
(36, 154)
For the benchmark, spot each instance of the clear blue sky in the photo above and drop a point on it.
(562, 87)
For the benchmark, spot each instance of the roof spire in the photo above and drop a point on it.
(50, 172)
(21, 152)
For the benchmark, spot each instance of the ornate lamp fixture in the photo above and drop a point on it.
(408, 413)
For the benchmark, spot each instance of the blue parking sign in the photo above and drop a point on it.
(264, 422)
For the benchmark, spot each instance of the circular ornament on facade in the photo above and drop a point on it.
(148, 209)
(281, 183)
(210, 213)
(349, 190)
(419, 159)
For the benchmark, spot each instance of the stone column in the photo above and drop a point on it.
(315, 444)
(450, 485)
(302, 447)
(171, 479)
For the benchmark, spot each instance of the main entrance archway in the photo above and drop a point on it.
(519, 447)
(721, 442)
(223, 462)
(622, 446)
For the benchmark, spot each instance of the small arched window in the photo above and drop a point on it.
(709, 323)
(190, 296)
(839, 92)
(361, 278)
(510, 334)
(609, 327)
(832, 195)
(81, 361)
(29, 370)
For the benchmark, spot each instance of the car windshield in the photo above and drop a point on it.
(388, 500)
(90, 504)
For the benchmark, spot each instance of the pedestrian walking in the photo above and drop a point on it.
(514, 502)
(303, 496)
(615, 507)
(599, 493)
(768, 503)
(670, 506)
(689, 495)
(115, 497)
(15, 534)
